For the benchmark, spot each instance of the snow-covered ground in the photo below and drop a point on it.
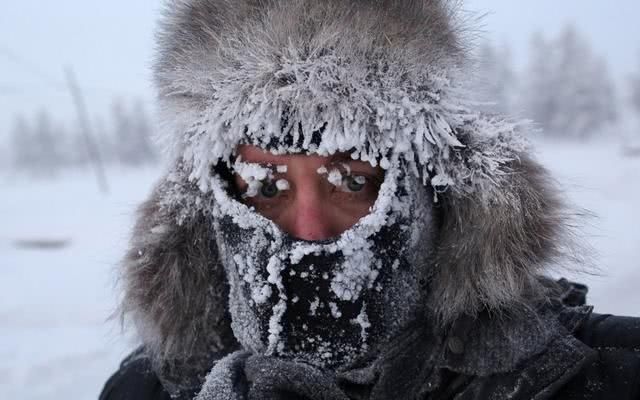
(600, 178)
(56, 342)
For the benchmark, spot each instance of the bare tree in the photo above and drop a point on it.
(635, 90)
(540, 100)
(23, 146)
(47, 145)
(569, 90)
(132, 134)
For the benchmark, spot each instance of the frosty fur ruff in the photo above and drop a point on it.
(233, 71)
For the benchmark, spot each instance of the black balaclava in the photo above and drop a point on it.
(325, 302)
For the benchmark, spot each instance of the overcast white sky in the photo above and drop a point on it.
(110, 45)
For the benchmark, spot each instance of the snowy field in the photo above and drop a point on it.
(602, 179)
(56, 340)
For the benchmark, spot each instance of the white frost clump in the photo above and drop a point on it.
(260, 290)
(261, 295)
(253, 174)
(358, 271)
(360, 180)
(303, 249)
(282, 184)
(335, 311)
(275, 327)
(274, 268)
(313, 306)
(335, 177)
(246, 269)
(363, 320)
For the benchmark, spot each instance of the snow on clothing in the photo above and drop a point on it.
(445, 275)
(599, 360)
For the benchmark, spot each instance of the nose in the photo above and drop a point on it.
(309, 216)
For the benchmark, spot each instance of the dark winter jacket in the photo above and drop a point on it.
(597, 358)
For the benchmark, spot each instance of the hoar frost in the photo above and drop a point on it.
(255, 175)
(426, 117)
(356, 271)
(363, 321)
(282, 184)
(336, 175)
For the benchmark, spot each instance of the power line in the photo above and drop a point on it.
(83, 119)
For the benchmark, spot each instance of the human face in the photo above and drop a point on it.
(317, 197)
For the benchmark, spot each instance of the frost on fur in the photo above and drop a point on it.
(373, 81)
(443, 141)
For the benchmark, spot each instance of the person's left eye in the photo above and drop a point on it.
(354, 183)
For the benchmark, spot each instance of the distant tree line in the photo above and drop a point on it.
(42, 146)
(635, 90)
(565, 88)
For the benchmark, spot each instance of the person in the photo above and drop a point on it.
(339, 222)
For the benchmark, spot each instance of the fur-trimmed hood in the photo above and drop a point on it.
(384, 72)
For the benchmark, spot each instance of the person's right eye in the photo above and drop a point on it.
(269, 189)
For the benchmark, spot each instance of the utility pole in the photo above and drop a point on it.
(85, 127)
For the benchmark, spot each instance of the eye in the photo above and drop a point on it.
(354, 183)
(269, 189)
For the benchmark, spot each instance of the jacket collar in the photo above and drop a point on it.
(534, 376)
(481, 358)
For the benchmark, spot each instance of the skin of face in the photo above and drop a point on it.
(312, 207)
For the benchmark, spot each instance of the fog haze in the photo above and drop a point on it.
(110, 45)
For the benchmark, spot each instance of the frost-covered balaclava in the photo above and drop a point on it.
(325, 302)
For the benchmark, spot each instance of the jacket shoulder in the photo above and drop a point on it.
(134, 380)
(614, 370)
(605, 331)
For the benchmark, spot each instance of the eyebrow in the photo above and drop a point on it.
(269, 161)
(264, 160)
(341, 157)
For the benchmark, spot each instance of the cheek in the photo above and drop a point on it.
(357, 210)
(348, 213)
